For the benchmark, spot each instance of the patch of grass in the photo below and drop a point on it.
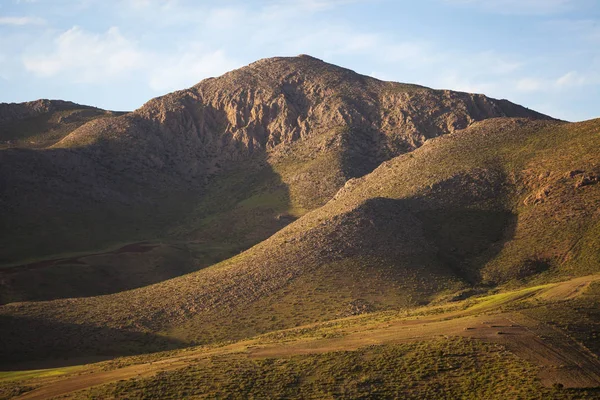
(39, 373)
(436, 369)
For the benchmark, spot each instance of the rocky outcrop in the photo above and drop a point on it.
(272, 103)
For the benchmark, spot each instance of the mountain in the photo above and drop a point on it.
(504, 202)
(294, 229)
(196, 176)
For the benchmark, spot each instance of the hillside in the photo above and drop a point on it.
(490, 347)
(196, 176)
(503, 203)
(42, 123)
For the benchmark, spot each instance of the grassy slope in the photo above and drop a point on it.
(494, 241)
(440, 369)
(436, 369)
(372, 356)
(579, 317)
(555, 217)
(380, 244)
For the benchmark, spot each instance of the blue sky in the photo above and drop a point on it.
(117, 54)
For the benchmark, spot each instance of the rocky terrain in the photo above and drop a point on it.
(224, 164)
(11, 112)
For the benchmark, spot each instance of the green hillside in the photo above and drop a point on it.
(484, 347)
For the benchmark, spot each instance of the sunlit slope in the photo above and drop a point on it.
(485, 347)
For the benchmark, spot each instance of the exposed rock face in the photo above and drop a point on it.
(274, 102)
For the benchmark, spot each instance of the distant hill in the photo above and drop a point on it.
(42, 123)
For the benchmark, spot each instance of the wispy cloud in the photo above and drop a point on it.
(584, 29)
(530, 85)
(164, 45)
(186, 69)
(84, 57)
(87, 57)
(20, 21)
(573, 78)
(317, 5)
(564, 82)
(524, 7)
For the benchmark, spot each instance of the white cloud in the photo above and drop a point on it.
(529, 85)
(141, 4)
(84, 57)
(287, 6)
(494, 63)
(574, 78)
(20, 21)
(565, 82)
(180, 42)
(586, 29)
(320, 5)
(87, 57)
(224, 18)
(525, 7)
(457, 81)
(183, 70)
(2, 68)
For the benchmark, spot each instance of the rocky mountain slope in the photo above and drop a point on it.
(206, 172)
(505, 202)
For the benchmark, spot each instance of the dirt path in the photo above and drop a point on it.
(72, 383)
(560, 359)
(569, 289)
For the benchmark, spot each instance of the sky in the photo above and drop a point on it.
(118, 54)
